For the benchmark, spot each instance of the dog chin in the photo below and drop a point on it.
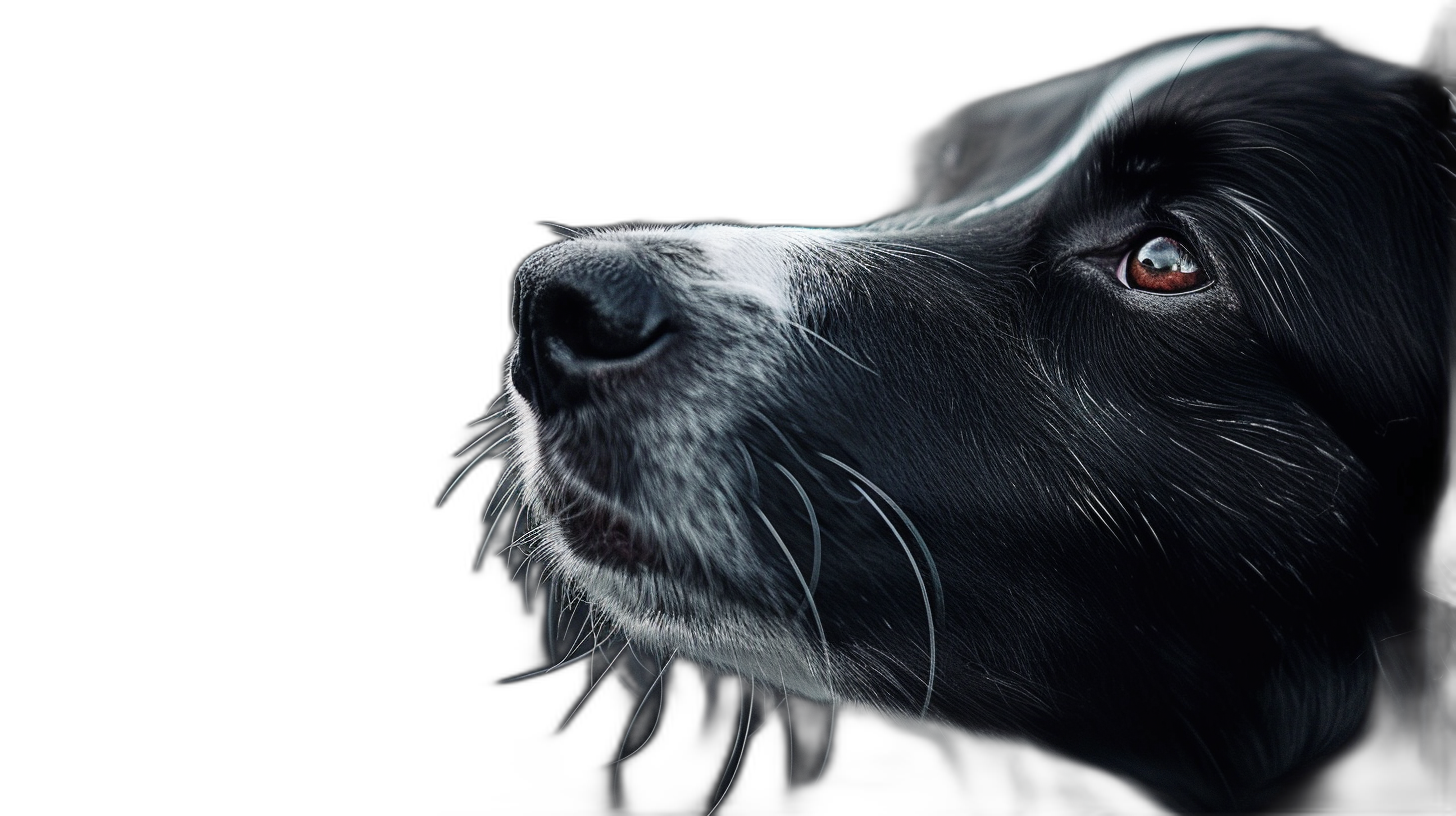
(658, 611)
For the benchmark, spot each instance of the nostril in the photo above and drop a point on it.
(613, 320)
(588, 315)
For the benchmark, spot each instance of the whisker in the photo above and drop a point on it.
(846, 355)
(924, 549)
(468, 466)
(516, 525)
(921, 251)
(484, 547)
(508, 485)
(788, 716)
(813, 525)
(766, 716)
(632, 743)
(929, 618)
(752, 471)
(583, 633)
(813, 471)
(593, 681)
(495, 408)
(493, 429)
(808, 596)
(564, 231)
(797, 775)
(509, 481)
(746, 726)
(563, 662)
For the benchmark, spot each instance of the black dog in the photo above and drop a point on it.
(1121, 439)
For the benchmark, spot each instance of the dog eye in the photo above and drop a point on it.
(1162, 266)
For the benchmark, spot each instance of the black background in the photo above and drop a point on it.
(447, 143)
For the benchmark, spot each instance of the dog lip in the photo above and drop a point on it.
(606, 538)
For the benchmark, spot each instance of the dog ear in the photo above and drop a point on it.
(1439, 568)
(1360, 314)
(1415, 459)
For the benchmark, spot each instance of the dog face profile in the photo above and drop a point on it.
(1121, 438)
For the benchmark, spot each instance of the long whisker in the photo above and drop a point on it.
(846, 355)
(808, 595)
(616, 652)
(768, 714)
(510, 480)
(929, 618)
(746, 727)
(484, 547)
(508, 489)
(468, 466)
(629, 749)
(496, 407)
(924, 549)
(564, 231)
(813, 471)
(813, 525)
(796, 775)
(575, 657)
(526, 564)
(748, 463)
(788, 716)
(583, 633)
(488, 433)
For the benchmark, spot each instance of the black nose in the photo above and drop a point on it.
(584, 311)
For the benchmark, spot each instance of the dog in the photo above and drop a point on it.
(1123, 438)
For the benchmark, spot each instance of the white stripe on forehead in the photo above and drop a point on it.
(1135, 81)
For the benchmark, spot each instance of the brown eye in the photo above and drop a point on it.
(1163, 266)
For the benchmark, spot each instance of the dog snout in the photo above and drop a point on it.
(584, 312)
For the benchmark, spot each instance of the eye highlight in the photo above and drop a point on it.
(1163, 266)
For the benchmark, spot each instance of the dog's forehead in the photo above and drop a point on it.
(1000, 150)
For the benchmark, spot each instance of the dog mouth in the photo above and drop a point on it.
(603, 537)
(577, 496)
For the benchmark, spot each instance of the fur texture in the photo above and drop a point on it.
(951, 463)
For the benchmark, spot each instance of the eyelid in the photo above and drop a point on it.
(1121, 273)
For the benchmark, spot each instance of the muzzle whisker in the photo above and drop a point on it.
(929, 617)
(748, 463)
(813, 526)
(574, 657)
(516, 485)
(578, 640)
(510, 482)
(496, 407)
(594, 678)
(527, 561)
(846, 355)
(909, 525)
(747, 724)
(794, 451)
(632, 744)
(506, 425)
(468, 467)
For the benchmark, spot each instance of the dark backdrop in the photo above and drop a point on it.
(456, 139)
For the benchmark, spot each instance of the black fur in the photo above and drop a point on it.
(1158, 534)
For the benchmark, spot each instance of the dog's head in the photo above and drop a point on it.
(1119, 438)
